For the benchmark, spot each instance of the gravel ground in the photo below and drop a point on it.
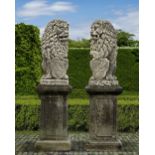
(25, 144)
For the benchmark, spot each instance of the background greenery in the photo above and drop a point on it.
(28, 73)
(28, 112)
(28, 58)
(79, 71)
(28, 64)
(123, 39)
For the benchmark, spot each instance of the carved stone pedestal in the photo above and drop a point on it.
(53, 122)
(102, 123)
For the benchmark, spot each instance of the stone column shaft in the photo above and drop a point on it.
(102, 119)
(53, 119)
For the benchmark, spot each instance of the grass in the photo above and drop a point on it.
(124, 98)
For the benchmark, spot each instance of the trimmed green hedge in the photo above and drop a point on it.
(27, 117)
(28, 64)
(128, 117)
(28, 58)
(127, 69)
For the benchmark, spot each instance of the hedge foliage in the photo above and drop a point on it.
(127, 68)
(28, 58)
(28, 64)
(79, 71)
(27, 117)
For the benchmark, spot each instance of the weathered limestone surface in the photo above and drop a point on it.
(57, 145)
(55, 53)
(103, 88)
(104, 53)
(102, 121)
(53, 123)
(54, 88)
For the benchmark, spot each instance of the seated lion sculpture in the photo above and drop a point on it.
(104, 53)
(55, 50)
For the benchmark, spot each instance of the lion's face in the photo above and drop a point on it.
(56, 31)
(55, 38)
(103, 37)
(101, 29)
(60, 30)
(63, 33)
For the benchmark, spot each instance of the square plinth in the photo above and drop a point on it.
(53, 145)
(103, 145)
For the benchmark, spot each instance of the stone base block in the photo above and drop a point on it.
(103, 145)
(54, 82)
(53, 145)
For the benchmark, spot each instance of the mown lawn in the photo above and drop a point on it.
(124, 98)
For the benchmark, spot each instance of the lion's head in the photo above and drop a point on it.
(103, 38)
(55, 37)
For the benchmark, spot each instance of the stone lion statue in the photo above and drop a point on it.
(104, 52)
(55, 51)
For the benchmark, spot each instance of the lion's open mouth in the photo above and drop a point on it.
(63, 37)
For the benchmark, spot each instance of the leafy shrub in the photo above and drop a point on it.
(127, 69)
(27, 116)
(28, 58)
(78, 117)
(128, 117)
(79, 71)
